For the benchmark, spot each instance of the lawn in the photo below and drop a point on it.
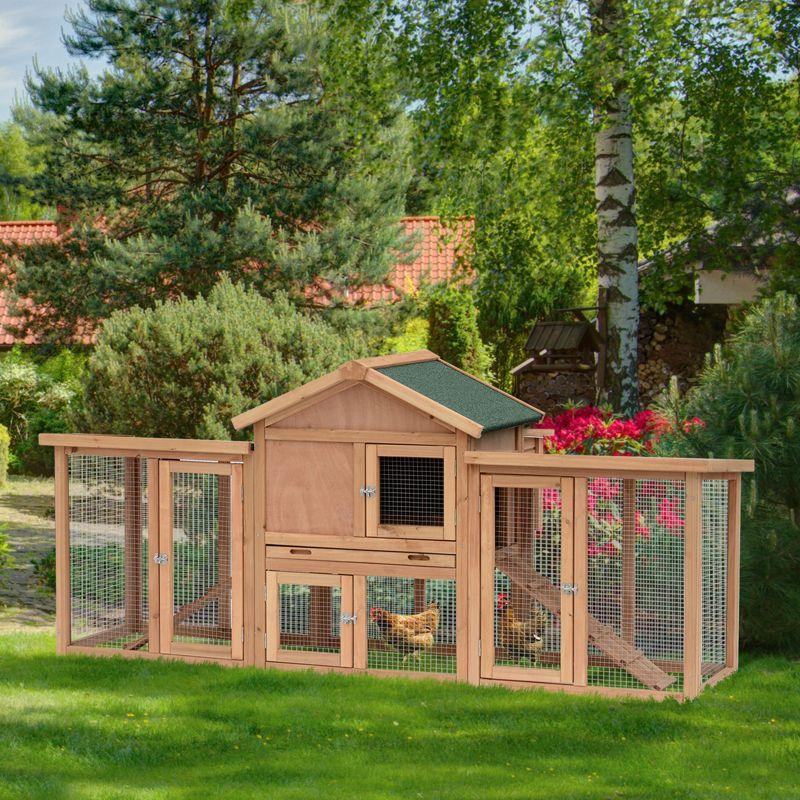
(82, 727)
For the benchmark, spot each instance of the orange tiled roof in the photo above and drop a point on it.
(437, 248)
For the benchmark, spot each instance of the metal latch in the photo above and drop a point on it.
(161, 558)
(348, 619)
(368, 491)
(569, 588)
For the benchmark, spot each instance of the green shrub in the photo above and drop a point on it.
(37, 396)
(5, 441)
(44, 570)
(748, 398)
(6, 559)
(184, 368)
(453, 329)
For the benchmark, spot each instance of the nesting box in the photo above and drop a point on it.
(397, 517)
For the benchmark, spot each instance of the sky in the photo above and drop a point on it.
(28, 29)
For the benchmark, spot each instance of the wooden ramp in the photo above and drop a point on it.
(514, 563)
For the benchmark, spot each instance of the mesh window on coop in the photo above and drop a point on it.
(411, 491)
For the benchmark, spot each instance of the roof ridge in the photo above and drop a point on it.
(28, 222)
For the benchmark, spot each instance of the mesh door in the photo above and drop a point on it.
(201, 558)
(108, 551)
(309, 619)
(715, 575)
(411, 491)
(527, 578)
(412, 624)
(635, 583)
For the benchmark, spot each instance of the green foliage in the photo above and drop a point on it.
(6, 559)
(44, 570)
(413, 335)
(748, 396)
(19, 164)
(5, 442)
(37, 396)
(224, 134)
(453, 329)
(185, 367)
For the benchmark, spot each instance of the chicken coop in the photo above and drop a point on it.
(398, 517)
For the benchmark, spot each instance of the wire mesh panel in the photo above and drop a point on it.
(306, 617)
(108, 551)
(411, 491)
(714, 510)
(201, 558)
(635, 583)
(527, 578)
(412, 624)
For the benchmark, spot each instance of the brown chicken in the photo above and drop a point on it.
(519, 638)
(409, 634)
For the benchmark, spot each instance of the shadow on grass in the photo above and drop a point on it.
(84, 727)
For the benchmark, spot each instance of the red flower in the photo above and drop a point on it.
(669, 516)
(551, 499)
(604, 488)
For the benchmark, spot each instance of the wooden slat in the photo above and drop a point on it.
(487, 577)
(692, 588)
(462, 559)
(645, 464)
(732, 589)
(273, 609)
(249, 539)
(409, 531)
(580, 633)
(221, 651)
(165, 546)
(449, 456)
(153, 543)
(355, 568)
(258, 561)
(301, 554)
(92, 440)
(567, 576)
(360, 627)
(63, 593)
(376, 437)
(196, 467)
(526, 481)
(346, 632)
(371, 478)
(356, 543)
(309, 657)
(396, 359)
(359, 479)
(474, 575)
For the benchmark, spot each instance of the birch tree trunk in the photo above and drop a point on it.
(617, 232)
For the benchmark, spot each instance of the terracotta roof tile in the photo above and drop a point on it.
(436, 251)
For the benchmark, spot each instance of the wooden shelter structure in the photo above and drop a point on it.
(398, 517)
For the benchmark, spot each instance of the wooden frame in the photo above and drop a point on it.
(275, 652)
(489, 669)
(374, 526)
(169, 621)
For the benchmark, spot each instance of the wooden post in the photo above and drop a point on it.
(224, 500)
(63, 595)
(628, 611)
(462, 559)
(248, 553)
(693, 588)
(732, 589)
(153, 547)
(132, 514)
(581, 578)
(259, 549)
(472, 585)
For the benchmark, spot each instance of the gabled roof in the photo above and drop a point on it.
(420, 379)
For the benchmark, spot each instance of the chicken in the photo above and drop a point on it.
(409, 634)
(519, 638)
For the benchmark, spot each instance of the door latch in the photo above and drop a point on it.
(569, 588)
(368, 491)
(348, 619)
(161, 559)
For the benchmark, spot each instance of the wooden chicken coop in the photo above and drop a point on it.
(397, 517)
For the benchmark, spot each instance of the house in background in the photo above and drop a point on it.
(437, 248)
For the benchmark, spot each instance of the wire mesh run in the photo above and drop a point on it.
(411, 491)
(108, 552)
(635, 576)
(527, 578)
(412, 624)
(715, 576)
(201, 558)
(310, 618)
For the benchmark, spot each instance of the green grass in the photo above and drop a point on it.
(83, 727)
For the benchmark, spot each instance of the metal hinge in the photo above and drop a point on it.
(348, 619)
(569, 588)
(161, 559)
(368, 491)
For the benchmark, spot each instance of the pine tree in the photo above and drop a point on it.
(223, 138)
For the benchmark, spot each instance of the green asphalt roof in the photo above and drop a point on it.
(468, 396)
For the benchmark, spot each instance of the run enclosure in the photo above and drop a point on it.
(396, 517)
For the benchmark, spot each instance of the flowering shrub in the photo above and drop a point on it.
(589, 430)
